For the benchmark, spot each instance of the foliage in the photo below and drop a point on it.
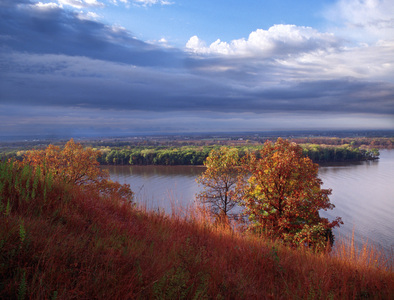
(283, 196)
(175, 153)
(346, 152)
(20, 185)
(75, 165)
(219, 181)
(193, 155)
(71, 244)
(355, 142)
(154, 156)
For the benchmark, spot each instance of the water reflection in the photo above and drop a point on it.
(171, 171)
(160, 187)
(363, 196)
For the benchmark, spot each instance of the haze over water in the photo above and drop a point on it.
(362, 193)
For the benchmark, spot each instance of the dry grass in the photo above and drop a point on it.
(72, 244)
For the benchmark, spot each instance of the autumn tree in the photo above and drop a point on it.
(219, 181)
(76, 165)
(283, 196)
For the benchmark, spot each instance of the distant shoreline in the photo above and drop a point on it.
(193, 150)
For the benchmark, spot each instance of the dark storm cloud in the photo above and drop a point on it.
(345, 95)
(45, 30)
(58, 69)
(59, 80)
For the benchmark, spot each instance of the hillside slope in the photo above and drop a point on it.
(62, 242)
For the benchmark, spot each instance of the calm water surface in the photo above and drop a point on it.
(362, 193)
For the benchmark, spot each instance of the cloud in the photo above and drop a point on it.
(88, 16)
(296, 53)
(45, 6)
(278, 40)
(285, 59)
(143, 2)
(61, 69)
(65, 81)
(363, 20)
(81, 3)
(52, 29)
(152, 2)
(38, 120)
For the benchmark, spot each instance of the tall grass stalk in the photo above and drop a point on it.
(367, 255)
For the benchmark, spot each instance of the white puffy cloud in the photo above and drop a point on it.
(196, 45)
(292, 53)
(93, 3)
(277, 40)
(81, 3)
(45, 6)
(87, 15)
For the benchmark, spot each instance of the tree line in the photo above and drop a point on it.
(197, 155)
(154, 156)
(346, 152)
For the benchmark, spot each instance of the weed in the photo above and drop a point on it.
(8, 208)
(173, 285)
(22, 287)
(22, 231)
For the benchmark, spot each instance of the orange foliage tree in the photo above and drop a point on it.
(283, 196)
(76, 165)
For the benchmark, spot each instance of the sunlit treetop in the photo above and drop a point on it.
(76, 165)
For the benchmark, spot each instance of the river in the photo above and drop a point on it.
(363, 193)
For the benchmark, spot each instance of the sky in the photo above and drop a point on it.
(131, 67)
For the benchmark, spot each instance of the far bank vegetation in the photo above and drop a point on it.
(195, 152)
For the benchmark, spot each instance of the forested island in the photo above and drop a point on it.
(173, 150)
(196, 155)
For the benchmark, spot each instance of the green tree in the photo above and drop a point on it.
(219, 181)
(283, 196)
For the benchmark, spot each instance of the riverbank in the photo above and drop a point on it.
(60, 242)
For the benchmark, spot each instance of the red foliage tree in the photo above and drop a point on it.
(283, 196)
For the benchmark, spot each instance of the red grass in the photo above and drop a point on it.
(79, 245)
